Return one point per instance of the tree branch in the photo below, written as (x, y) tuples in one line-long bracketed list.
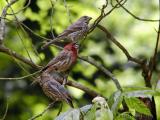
[(153, 60), (17, 56), (103, 15), (118, 44), (44, 111), (81, 87), (103, 69)]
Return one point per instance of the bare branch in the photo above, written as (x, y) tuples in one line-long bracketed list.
[(103, 69), (109, 35), (102, 15)]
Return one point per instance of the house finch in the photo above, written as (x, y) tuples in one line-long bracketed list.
[(74, 32), (53, 89), (63, 62)]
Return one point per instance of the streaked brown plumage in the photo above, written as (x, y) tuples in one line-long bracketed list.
[(65, 59), (74, 32), (53, 89)]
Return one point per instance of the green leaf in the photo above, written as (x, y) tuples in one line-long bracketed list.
[(74, 114), (116, 101), (91, 114), (134, 88), (125, 116), (138, 105), (111, 100), (142, 93), (104, 114)]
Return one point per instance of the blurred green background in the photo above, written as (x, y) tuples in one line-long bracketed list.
[(138, 37)]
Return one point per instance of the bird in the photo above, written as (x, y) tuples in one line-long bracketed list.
[(74, 32), (63, 62), (53, 89)]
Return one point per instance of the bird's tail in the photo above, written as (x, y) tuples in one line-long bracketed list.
[(51, 42), (66, 95)]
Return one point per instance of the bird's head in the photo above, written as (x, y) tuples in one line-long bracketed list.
[(71, 47), (85, 18)]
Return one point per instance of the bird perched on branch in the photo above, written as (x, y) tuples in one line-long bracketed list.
[(74, 32), (64, 61), (53, 89)]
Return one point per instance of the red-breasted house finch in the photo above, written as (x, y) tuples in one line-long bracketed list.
[(64, 61), (54, 89), (74, 32)]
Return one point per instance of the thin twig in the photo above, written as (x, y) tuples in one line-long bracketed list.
[(103, 69), (23, 77), (68, 12), (51, 19), (111, 2), (19, 34), (22, 67), (102, 15), (2, 21), (44, 111), (134, 16), (5, 114), (34, 33), (26, 27), (26, 6)]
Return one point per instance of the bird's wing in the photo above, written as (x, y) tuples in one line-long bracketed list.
[(58, 92), (57, 60), (66, 95), (53, 89), (74, 27)]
